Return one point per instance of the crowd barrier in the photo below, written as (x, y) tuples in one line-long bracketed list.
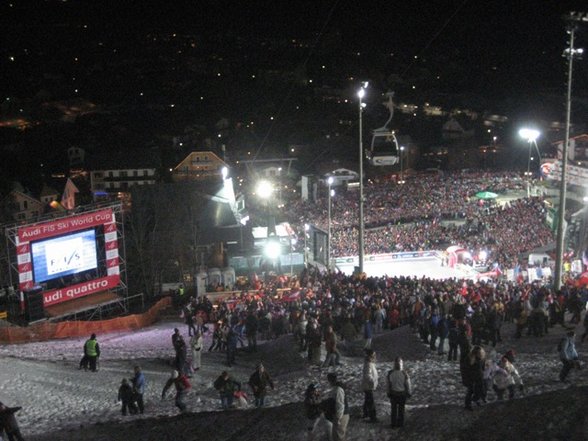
[(70, 329)]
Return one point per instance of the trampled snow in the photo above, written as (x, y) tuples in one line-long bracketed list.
[(44, 377)]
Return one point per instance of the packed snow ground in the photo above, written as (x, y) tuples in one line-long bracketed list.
[(426, 266), (44, 377)]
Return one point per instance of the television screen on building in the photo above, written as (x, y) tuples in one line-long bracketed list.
[(64, 255)]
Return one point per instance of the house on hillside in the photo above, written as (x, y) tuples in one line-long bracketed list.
[(199, 166), (23, 206), (113, 177)]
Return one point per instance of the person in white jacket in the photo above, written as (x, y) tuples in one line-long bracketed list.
[(399, 389), (506, 377), (340, 417), (369, 384), (196, 346)]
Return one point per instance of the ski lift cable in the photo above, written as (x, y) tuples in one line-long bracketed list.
[(433, 38), (289, 93)]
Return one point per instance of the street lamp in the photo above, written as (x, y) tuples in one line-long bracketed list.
[(360, 95), (401, 165), (264, 189), (330, 182), (530, 135), (570, 53)]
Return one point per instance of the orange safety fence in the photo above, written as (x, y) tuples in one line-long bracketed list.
[(68, 329)]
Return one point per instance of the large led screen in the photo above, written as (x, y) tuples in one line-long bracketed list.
[(65, 255)]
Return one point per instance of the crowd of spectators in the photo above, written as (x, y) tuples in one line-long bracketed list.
[(431, 212)]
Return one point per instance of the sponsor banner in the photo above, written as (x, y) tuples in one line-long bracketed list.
[(574, 175), (111, 254), (111, 245), (26, 279), (110, 237), (65, 225), (22, 259), (114, 271), (26, 267), (22, 249), (56, 296), (387, 257), (109, 228)]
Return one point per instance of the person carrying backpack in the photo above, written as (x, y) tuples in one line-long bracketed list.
[(567, 354), (182, 385)]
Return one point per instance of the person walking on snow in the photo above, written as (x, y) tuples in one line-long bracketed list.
[(568, 355), (9, 424), (125, 394), (259, 381), (341, 414), (138, 382), (196, 343), (399, 390), (369, 384), (92, 352), (182, 386)]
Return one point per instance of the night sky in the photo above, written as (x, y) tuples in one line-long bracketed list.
[(202, 61), (520, 42)]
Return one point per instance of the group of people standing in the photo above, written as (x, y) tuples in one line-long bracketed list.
[(331, 415)]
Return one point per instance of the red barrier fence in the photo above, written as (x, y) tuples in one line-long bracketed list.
[(68, 329)]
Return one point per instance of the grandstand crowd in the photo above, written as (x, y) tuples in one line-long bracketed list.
[(431, 212)]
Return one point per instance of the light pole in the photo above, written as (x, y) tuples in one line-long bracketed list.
[(330, 182), (292, 243), (305, 255), (530, 135), (360, 95), (401, 165), (569, 53)]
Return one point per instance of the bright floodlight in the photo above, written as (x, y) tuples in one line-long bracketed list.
[(530, 135), (225, 172), (330, 180), (272, 249), (306, 227), (264, 189), (332, 193), (361, 93)]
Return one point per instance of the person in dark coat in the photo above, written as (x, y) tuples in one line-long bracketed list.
[(259, 381), (127, 397), (473, 376), (226, 387), (251, 325), (9, 424), (182, 386)]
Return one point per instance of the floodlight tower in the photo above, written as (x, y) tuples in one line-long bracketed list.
[(570, 53)]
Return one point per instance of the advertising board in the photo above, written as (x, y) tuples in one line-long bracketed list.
[(70, 257)]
